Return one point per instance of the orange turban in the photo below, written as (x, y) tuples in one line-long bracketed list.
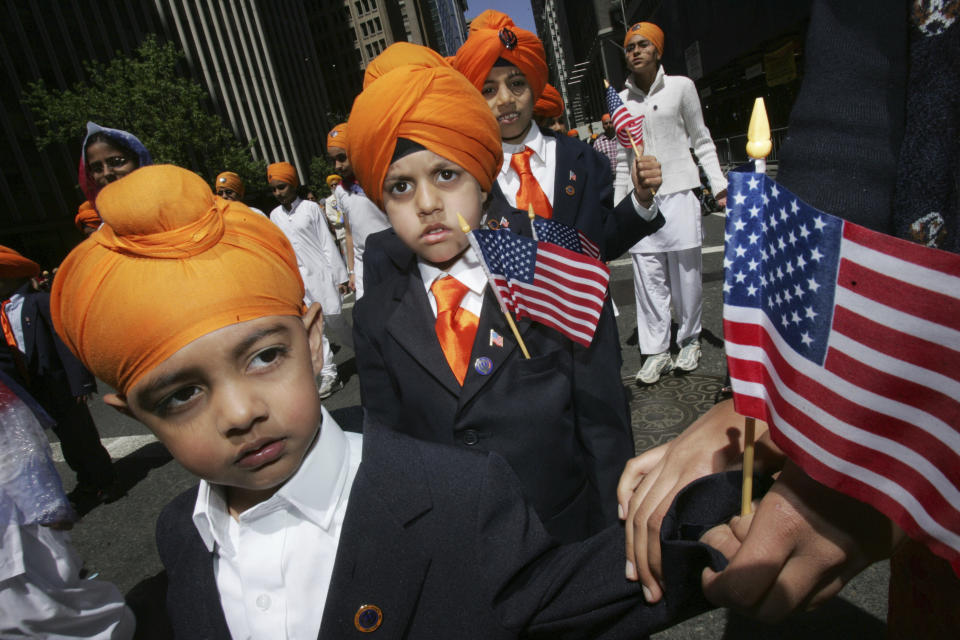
[(14, 265), (333, 178), (493, 35), (550, 104), (605, 118), (87, 216), (284, 172), (229, 180), (171, 264), (432, 105), (338, 135), (573, 132), (648, 30), (398, 55)]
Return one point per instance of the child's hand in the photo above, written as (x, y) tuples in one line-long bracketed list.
[(800, 546), (646, 177)]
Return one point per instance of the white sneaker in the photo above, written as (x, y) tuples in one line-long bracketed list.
[(654, 367), (689, 357), (329, 385)]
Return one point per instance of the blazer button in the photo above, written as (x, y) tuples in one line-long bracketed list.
[(470, 437)]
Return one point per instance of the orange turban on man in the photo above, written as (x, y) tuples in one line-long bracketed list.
[(493, 35), (229, 180), (648, 30), (118, 299), (429, 104), (87, 216), (14, 265), (338, 136), (284, 172), (550, 104), (399, 54)]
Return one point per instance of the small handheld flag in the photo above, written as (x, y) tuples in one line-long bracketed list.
[(629, 128)]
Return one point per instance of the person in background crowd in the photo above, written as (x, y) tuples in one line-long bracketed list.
[(35, 357), (360, 216), (229, 186), (331, 208), (607, 143), (548, 111), (324, 274), (573, 133), (87, 218), (108, 155), (668, 264)]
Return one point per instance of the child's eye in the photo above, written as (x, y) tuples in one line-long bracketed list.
[(446, 175), (486, 92), (177, 400), (399, 188), (268, 357)]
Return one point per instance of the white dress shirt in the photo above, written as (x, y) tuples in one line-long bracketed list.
[(14, 315), (273, 564), (318, 258), (466, 269), (543, 164)]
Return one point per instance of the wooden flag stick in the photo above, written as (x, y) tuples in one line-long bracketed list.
[(513, 327), (746, 495)]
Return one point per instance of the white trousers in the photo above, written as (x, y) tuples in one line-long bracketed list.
[(662, 280)]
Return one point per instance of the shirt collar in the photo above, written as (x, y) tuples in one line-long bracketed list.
[(655, 86), (293, 205), (534, 139), (467, 269), (314, 490)]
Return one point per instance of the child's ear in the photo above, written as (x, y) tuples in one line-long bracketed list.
[(313, 323), (118, 402), (483, 197)]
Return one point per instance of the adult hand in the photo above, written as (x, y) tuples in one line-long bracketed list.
[(353, 282), (721, 199), (344, 287), (803, 542), (651, 481), (646, 176)]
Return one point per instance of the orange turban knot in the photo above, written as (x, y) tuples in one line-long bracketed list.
[(229, 180), (170, 265), (550, 104), (87, 216), (14, 265), (400, 54), (431, 105), (648, 30), (338, 136), (493, 35), (284, 172)]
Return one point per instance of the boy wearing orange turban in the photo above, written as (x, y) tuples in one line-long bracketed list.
[(321, 267), (558, 175), (548, 111), (361, 217), (426, 157), (211, 352), (229, 186), (35, 357)]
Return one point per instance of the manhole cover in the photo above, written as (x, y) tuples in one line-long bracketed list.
[(659, 412)]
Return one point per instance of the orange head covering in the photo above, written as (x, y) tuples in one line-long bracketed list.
[(648, 30), (171, 264), (432, 105), (284, 172), (493, 35), (87, 216), (229, 180), (550, 103), (605, 118), (333, 178), (398, 55), (14, 265), (573, 132), (338, 135)]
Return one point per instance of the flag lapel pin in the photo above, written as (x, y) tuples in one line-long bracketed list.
[(495, 339), (573, 176)]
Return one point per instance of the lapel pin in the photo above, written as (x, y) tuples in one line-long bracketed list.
[(495, 339), (483, 365), (493, 224), (570, 190), (504, 222), (369, 617), (573, 176)]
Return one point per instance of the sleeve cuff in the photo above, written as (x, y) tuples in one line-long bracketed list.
[(643, 212)]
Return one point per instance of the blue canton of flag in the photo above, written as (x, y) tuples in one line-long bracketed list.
[(785, 261), (545, 282), (564, 235)]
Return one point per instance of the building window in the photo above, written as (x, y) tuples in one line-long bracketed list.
[(369, 51), (366, 5), (373, 3), (363, 27), (359, 8), (379, 26)]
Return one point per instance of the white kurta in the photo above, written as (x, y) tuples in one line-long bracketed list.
[(318, 258), (364, 218)]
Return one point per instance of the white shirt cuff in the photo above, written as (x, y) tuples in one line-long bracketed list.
[(642, 211)]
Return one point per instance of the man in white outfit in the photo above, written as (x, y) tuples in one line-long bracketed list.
[(667, 264), (321, 267)]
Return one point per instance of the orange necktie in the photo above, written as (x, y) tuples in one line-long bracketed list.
[(530, 191), (10, 338), (456, 327)]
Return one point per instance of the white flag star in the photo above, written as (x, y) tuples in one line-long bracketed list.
[(739, 198)]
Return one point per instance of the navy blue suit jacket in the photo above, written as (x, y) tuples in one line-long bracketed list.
[(583, 198), (561, 418), (442, 541)]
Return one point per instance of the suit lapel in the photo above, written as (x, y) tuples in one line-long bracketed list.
[(378, 561), (28, 324), (568, 189), (411, 325)]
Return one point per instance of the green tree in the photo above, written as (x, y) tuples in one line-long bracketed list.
[(320, 168), (146, 96)]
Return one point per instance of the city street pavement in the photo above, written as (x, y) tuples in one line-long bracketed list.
[(117, 541)]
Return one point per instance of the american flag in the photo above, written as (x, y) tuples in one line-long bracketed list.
[(623, 121), (564, 235), (847, 342), (551, 285)]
